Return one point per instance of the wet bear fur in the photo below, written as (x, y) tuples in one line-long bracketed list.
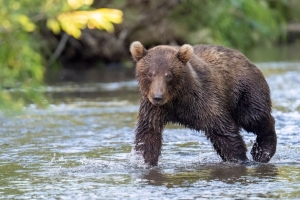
[(206, 88)]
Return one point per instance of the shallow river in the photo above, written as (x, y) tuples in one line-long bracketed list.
[(81, 148)]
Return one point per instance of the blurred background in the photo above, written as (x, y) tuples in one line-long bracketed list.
[(54, 41)]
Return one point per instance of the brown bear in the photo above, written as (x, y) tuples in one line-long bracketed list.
[(205, 88)]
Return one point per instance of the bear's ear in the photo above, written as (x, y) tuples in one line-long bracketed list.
[(185, 53), (137, 50)]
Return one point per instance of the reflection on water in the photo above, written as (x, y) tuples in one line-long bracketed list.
[(224, 172), (81, 147)]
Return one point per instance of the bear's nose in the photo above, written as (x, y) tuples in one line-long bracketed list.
[(158, 97)]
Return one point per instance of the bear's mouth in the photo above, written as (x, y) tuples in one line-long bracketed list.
[(157, 102)]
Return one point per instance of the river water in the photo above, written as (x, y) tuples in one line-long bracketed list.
[(81, 148)]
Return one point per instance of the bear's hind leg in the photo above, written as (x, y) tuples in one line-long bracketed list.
[(265, 145), (260, 122), (253, 113)]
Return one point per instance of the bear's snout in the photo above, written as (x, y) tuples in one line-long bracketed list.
[(158, 94), (157, 99)]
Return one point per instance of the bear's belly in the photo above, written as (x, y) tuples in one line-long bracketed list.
[(189, 120)]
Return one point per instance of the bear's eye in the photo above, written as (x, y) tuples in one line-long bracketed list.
[(150, 75), (168, 77)]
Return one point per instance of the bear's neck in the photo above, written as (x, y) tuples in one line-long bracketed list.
[(197, 96), (198, 80)]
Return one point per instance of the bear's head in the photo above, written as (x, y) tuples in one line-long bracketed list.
[(160, 70)]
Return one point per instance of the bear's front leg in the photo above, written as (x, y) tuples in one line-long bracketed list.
[(148, 134), (228, 143), (148, 142)]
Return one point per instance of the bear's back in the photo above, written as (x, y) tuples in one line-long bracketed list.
[(219, 55), (229, 62)]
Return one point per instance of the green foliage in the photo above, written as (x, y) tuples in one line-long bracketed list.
[(21, 69), (235, 23)]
